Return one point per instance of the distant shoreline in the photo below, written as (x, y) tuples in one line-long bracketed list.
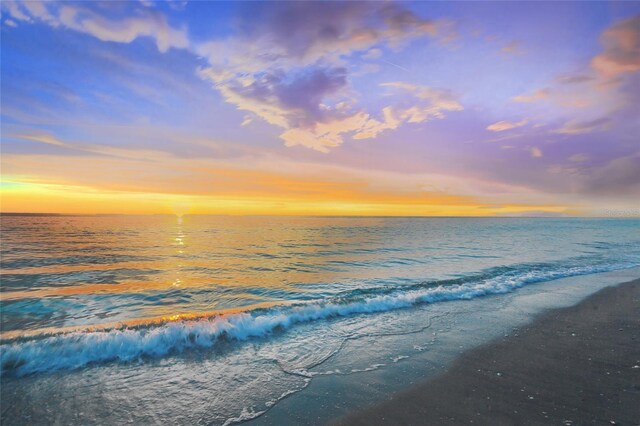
[(578, 364)]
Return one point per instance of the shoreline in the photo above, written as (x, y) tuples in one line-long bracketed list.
[(574, 365)]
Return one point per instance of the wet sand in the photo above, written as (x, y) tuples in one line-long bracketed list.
[(571, 366)]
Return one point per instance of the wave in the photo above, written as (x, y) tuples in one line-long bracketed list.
[(71, 350)]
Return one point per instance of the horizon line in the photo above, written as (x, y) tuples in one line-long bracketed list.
[(51, 214)]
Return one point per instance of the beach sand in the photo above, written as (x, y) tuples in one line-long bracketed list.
[(571, 366)]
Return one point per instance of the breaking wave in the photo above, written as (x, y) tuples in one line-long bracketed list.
[(75, 349)]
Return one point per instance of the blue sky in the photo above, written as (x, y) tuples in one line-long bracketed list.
[(525, 106)]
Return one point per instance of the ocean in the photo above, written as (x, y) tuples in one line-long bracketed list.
[(219, 319)]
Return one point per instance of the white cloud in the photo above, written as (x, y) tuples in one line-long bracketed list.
[(324, 136), (78, 17), (431, 103), (428, 103), (14, 9)]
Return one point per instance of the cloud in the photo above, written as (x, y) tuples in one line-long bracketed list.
[(247, 120), (513, 48), (367, 68), (256, 182), (535, 152), (302, 33), (374, 53), (289, 69), (534, 97), (620, 176), (42, 138), (325, 135), (432, 102), (579, 158), (14, 9), (622, 49), (574, 127), (605, 87), (307, 31), (501, 126), (79, 17), (574, 79), (286, 99), (423, 104)]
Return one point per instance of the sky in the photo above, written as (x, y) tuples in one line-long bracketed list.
[(322, 108)]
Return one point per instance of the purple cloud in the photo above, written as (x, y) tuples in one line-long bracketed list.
[(288, 68), (308, 31)]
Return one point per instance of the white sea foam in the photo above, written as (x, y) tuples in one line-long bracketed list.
[(77, 349), (246, 415), (399, 358)]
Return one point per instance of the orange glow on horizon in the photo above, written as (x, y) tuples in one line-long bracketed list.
[(16, 197)]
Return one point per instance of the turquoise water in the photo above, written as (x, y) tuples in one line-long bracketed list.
[(253, 304)]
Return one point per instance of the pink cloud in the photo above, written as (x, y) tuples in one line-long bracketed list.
[(622, 49), (501, 126), (574, 127), (534, 97)]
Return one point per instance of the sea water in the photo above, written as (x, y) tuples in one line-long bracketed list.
[(218, 320)]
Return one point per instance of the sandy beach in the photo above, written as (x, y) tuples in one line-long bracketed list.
[(577, 365)]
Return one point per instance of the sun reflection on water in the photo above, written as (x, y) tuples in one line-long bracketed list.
[(180, 240)]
